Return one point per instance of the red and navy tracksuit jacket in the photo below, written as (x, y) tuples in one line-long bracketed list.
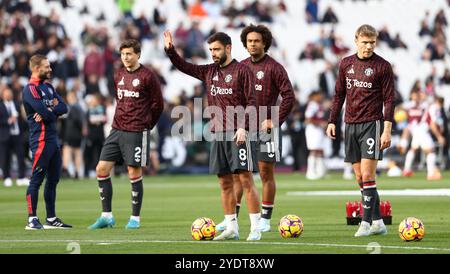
[(38, 97)]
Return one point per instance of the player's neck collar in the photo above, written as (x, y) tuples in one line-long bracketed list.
[(35, 80), (134, 70), (232, 61), (365, 59), (260, 59)]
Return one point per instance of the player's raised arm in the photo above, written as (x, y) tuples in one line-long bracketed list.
[(168, 41), (197, 71)]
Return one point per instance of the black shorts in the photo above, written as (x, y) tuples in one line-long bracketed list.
[(269, 145), (363, 141), (75, 143), (226, 157), (131, 148)]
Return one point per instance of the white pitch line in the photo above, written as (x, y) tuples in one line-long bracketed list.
[(222, 242), (393, 192)]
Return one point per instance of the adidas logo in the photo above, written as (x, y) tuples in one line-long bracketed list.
[(351, 71), (216, 78), (121, 83)]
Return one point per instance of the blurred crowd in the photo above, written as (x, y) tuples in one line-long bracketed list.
[(88, 88)]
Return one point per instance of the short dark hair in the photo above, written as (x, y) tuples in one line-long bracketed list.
[(131, 43), (222, 37), (261, 29)]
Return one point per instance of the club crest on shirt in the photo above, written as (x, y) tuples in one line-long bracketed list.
[(368, 71), (135, 82), (260, 74), (228, 78)]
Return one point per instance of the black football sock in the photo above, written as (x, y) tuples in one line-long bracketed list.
[(137, 192), (238, 207), (369, 198), (106, 192), (266, 211)]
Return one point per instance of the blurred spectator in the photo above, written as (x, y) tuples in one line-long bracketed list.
[(197, 10), (445, 80), (55, 26), (384, 36), (75, 130), (296, 127), (18, 31), (424, 29), (180, 35), (231, 12), (68, 66), (125, 7), (337, 44), (330, 16), (327, 79), (312, 52), (324, 39), (160, 13), (145, 30), (20, 58), (398, 43), (262, 12), (111, 57), (11, 138), (94, 65), (440, 18), (6, 70), (96, 119), (312, 7), (430, 89), (195, 42)]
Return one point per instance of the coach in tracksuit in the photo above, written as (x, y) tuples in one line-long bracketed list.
[(43, 107)]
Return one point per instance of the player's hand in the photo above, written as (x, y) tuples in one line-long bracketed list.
[(37, 118), (385, 140), (168, 41), (240, 136), (331, 131), (55, 101), (266, 125)]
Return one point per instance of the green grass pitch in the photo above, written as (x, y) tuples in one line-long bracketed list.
[(172, 203)]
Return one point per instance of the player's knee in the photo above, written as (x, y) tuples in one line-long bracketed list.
[(266, 176), (368, 177), (101, 170), (134, 172), (226, 185)]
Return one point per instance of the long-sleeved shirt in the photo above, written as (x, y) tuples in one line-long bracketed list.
[(229, 86), (367, 85), (38, 97), (271, 80), (139, 99)]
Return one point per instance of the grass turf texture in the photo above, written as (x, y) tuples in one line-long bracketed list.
[(172, 203)]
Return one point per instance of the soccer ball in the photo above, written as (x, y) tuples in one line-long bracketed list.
[(411, 229), (290, 226), (203, 228)]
